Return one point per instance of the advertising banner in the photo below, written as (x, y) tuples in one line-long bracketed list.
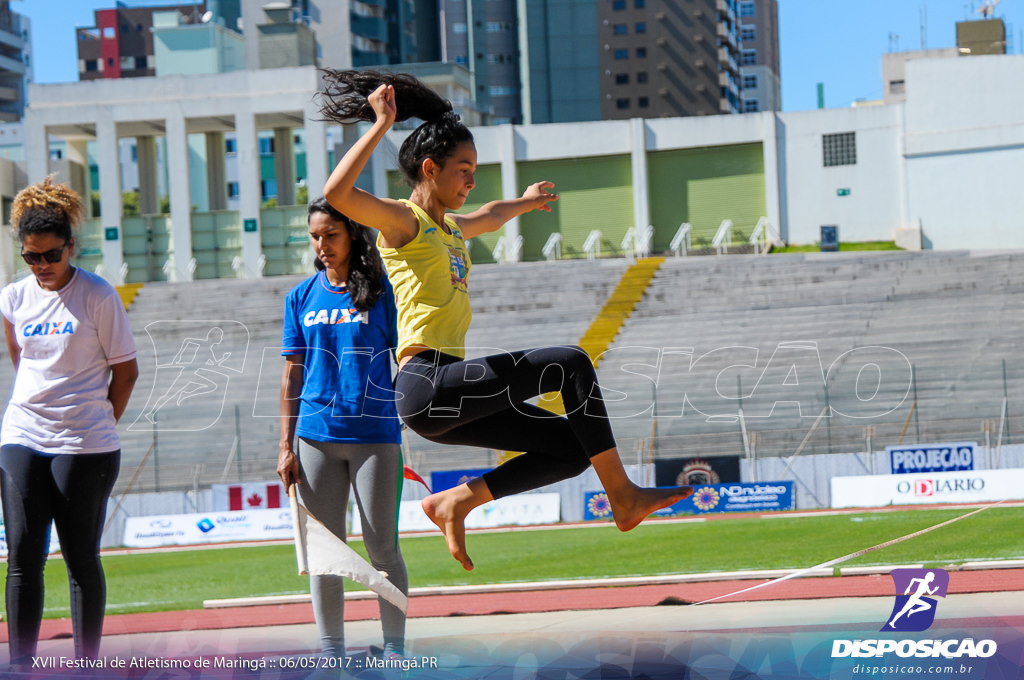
[(870, 491), (447, 479), (905, 460), (208, 527), (520, 510), (739, 497)]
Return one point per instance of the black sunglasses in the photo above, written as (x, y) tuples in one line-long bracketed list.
[(52, 256)]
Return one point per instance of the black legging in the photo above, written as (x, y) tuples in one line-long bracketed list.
[(481, 402), (71, 490)]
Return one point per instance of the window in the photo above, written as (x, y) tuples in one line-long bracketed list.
[(141, 63), (641, 27), (91, 65), (110, 62), (622, 103), (230, 145), (109, 32), (839, 149), (639, 4), (622, 54), (268, 188), (748, 9), (643, 102), (748, 33), (622, 79), (750, 106), (897, 86), (748, 58), (641, 77), (620, 29), (233, 190), (459, 27), (502, 91), (641, 53), (266, 146), (749, 82), (618, 5)]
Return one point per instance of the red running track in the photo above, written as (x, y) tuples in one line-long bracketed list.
[(996, 580)]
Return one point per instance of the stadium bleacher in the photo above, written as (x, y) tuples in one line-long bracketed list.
[(952, 318)]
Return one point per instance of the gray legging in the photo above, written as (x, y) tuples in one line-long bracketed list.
[(375, 474)]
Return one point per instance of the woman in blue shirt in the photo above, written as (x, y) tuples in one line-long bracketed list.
[(339, 333)]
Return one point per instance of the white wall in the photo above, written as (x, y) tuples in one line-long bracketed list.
[(873, 210), (965, 151)]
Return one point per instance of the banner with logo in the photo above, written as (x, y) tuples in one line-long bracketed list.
[(249, 496), (694, 471), (871, 491), (520, 510), (209, 527), (448, 479), (740, 497), (953, 457)]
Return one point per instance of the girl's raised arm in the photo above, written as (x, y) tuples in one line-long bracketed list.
[(395, 221)]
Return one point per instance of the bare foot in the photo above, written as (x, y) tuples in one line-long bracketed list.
[(446, 512), (629, 509)]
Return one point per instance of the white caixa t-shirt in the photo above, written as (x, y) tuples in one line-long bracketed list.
[(69, 339)]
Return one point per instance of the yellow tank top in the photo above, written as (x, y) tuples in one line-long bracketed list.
[(430, 278)]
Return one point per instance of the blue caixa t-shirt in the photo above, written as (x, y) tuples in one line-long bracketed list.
[(347, 391)]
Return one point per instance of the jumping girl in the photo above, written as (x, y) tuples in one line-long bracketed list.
[(440, 394)]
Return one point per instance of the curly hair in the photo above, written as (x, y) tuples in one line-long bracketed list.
[(365, 268), (344, 100), (46, 208)]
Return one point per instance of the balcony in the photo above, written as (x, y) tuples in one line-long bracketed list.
[(371, 28)]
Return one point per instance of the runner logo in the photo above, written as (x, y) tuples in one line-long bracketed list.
[(914, 610)]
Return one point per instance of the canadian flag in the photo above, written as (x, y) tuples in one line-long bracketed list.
[(255, 496)]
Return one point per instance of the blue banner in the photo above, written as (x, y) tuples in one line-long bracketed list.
[(932, 457), (447, 479), (739, 497)]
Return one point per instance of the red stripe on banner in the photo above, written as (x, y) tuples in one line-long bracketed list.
[(273, 496), (234, 498)]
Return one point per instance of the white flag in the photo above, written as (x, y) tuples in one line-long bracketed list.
[(320, 553)]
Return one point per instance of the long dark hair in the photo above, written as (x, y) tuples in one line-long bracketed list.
[(365, 269), (344, 100)]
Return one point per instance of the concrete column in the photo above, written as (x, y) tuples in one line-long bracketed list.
[(638, 166), (509, 180), (180, 193), (37, 148), (772, 168), (249, 197), (284, 165), (216, 182), (149, 190), (316, 152), (78, 160), (111, 207)]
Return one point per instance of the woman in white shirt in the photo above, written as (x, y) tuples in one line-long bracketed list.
[(74, 359)]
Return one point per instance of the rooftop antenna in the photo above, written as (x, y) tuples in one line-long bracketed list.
[(988, 8)]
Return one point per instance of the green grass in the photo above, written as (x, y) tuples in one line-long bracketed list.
[(843, 247), (182, 579)]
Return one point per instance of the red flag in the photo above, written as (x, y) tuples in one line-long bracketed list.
[(409, 473)]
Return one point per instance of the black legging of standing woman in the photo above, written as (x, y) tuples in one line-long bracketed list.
[(71, 490), (481, 402)]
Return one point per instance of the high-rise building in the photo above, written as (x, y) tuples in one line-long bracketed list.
[(120, 45), (664, 58), (483, 36), (15, 63), (559, 62), (759, 55)]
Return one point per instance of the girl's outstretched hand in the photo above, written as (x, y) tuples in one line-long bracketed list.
[(382, 100), (539, 193)]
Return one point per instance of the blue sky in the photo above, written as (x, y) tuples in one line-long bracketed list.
[(836, 42)]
